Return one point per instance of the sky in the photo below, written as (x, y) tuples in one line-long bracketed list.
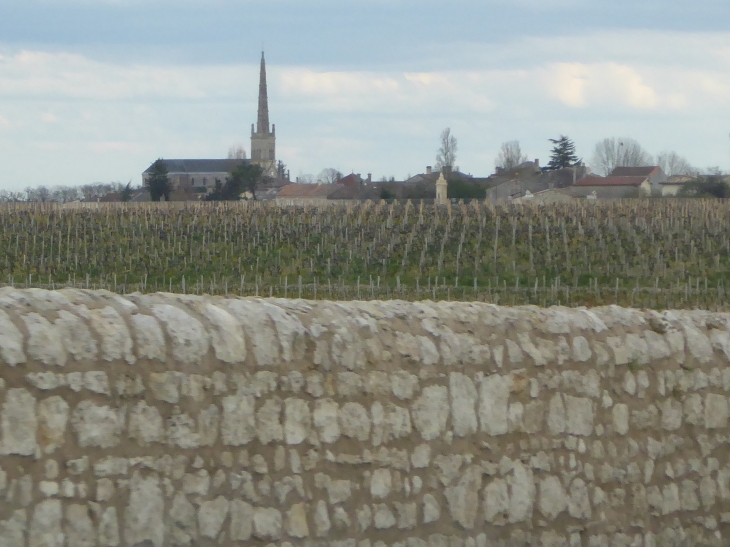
[(96, 90)]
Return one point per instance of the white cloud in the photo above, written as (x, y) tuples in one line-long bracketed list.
[(117, 117)]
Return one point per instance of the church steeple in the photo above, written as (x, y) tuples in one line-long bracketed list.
[(263, 119)]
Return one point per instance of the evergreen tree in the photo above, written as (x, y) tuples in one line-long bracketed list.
[(158, 183), (126, 194), (245, 178), (563, 153)]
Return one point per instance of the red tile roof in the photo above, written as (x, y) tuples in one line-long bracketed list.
[(307, 190), (610, 181)]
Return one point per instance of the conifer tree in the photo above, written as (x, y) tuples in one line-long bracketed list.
[(563, 153), (158, 183)]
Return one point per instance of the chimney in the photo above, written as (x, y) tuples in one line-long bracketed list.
[(428, 169), (370, 178), (537, 163)]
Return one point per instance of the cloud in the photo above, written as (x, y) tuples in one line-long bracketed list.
[(4, 122), (49, 118)]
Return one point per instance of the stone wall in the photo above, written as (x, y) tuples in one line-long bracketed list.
[(167, 420)]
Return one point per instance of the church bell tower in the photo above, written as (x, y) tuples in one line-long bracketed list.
[(263, 141)]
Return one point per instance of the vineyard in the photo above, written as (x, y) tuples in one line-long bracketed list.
[(660, 254)]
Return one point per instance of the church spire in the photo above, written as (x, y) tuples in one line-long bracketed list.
[(263, 120)]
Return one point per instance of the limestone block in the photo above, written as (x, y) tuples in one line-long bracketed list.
[(431, 509), (19, 423), (145, 424), (354, 421), (52, 422), (238, 426), (463, 401), (716, 411), (430, 412), (241, 520), (181, 430), (268, 420), (553, 499), (11, 345), (13, 530), (226, 335), (579, 415), (645, 418), (258, 327), (463, 498), (522, 494), (196, 483), (144, 516), (514, 352), (693, 409), (496, 502), (211, 516), (688, 499), (671, 414), (325, 420), (581, 349), (322, 522), (421, 456), (98, 426), (670, 499), (383, 517), (556, 418), (45, 525), (97, 381), (116, 342), (338, 490), (78, 526), (364, 517), (111, 465), (404, 384), (579, 505), (297, 420), (493, 399), (291, 333), (190, 340), (349, 384), (76, 336), (108, 529), (44, 341), (407, 515), (295, 523), (381, 483), (698, 344), (149, 337), (129, 385)]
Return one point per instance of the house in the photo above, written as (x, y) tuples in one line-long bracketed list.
[(306, 194), (612, 187), (530, 177), (673, 185), (653, 173)]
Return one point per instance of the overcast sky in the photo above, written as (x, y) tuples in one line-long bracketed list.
[(95, 90)]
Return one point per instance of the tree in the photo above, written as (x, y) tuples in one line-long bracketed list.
[(329, 175), (510, 155), (126, 194), (236, 152), (563, 153), (245, 178), (446, 156), (711, 186), (673, 164), (281, 170), (619, 152), (157, 182)]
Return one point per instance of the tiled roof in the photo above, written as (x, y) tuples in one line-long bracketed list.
[(307, 190), (610, 181), (200, 166), (633, 171)]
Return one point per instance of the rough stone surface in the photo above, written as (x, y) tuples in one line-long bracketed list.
[(176, 420)]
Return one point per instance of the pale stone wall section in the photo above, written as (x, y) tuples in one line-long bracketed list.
[(169, 420)]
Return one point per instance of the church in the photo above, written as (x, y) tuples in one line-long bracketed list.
[(201, 175)]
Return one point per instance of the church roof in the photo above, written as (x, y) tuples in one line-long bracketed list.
[(190, 166)]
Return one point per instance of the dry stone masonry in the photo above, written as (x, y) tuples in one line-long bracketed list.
[(168, 420)]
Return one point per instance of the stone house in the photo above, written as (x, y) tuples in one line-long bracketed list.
[(654, 174), (612, 187), (306, 194)]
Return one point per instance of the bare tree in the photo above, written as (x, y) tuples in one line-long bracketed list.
[(305, 178), (510, 155), (236, 152), (446, 156), (619, 152), (673, 164), (329, 175)]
